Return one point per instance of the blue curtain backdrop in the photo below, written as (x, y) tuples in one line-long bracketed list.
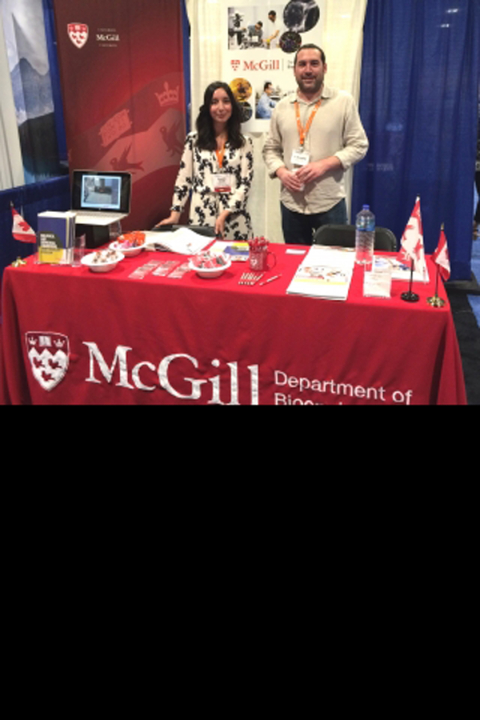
[(418, 103), (49, 18)]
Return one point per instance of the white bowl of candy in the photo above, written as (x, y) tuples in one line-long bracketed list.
[(209, 265), (102, 260), (129, 244)]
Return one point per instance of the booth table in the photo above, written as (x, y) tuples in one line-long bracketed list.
[(71, 336)]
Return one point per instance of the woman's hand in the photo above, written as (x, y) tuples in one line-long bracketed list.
[(173, 219), (220, 223)]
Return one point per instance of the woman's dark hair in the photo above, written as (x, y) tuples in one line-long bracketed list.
[(205, 129)]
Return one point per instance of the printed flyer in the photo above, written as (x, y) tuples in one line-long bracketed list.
[(260, 41)]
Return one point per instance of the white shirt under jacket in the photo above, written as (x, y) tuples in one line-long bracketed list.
[(336, 130)]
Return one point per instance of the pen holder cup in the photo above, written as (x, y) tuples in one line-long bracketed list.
[(261, 259)]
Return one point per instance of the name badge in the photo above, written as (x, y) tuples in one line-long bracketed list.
[(300, 158), (222, 183)]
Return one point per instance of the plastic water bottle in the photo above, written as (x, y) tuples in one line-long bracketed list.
[(364, 236)]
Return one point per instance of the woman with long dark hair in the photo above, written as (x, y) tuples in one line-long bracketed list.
[(216, 169)]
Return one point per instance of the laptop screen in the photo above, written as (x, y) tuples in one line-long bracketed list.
[(94, 190)]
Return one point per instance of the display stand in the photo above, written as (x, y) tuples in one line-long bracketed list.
[(410, 296), (97, 235)]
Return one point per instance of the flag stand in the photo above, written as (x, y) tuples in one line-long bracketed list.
[(410, 296), (436, 301), (19, 262)]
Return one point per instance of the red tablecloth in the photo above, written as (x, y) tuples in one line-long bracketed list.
[(71, 336)]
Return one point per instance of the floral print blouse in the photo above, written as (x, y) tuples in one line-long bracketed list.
[(196, 178)]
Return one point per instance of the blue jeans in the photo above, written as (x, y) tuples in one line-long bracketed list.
[(298, 229)]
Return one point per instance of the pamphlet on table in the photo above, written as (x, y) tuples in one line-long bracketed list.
[(325, 272), (183, 241), (237, 251), (377, 282), (403, 272), (55, 237)]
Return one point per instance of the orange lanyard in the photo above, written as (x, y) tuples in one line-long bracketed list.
[(220, 155), (303, 131)]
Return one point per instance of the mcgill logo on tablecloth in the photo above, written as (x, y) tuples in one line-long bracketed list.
[(49, 357), (192, 379)]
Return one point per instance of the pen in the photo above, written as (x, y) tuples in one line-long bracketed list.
[(275, 277)]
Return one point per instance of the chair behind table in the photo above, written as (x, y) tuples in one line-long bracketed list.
[(344, 236)]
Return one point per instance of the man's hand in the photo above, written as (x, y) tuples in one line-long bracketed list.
[(289, 179), (316, 170)]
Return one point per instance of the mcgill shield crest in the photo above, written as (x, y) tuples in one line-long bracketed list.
[(78, 34), (49, 357)]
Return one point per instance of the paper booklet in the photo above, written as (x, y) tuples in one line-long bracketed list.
[(325, 272), (237, 251), (183, 241), (55, 237), (403, 272)]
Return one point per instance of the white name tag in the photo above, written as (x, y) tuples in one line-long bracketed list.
[(222, 182), (300, 158)]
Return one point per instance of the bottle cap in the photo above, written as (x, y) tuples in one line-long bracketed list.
[(366, 207)]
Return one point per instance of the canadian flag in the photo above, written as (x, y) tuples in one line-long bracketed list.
[(411, 243), (441, 256), (21, 230)]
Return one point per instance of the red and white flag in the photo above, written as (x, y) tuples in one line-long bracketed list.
[(21, 230), (411, 244), (441, 256)]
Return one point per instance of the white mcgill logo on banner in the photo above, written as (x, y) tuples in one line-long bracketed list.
[(78, 34), (49, 357)]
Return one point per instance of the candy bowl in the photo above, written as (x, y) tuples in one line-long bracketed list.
[(209, 265), (126, 250), (102, 260), (129, 244)]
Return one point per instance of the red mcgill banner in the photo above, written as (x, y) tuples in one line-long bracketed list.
[(121, 66)]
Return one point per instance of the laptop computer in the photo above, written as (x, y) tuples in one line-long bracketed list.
[(100, 198)]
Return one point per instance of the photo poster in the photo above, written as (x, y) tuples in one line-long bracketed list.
[(260, 42), (33, 96), (121, 67)]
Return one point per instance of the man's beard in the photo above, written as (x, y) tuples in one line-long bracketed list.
[(310, 89)]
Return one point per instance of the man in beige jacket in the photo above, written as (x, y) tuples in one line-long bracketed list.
[(315, 136)]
